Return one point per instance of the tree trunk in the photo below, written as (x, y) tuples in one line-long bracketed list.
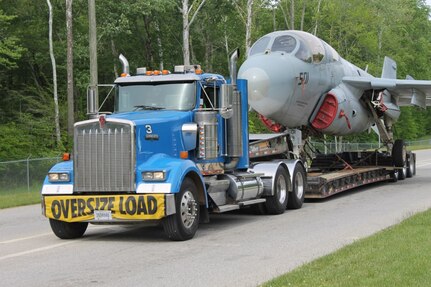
[(115, 56), (186, 27), (147, 40), (54, 77), (248, 26), (208, 52), (70, 100), (292, 14), (226, 46), (186, 45), (285, 16), (159, 44), (303, 15), (317, 17)]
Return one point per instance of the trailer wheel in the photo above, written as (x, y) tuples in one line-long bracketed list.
[(184, 223), (299, 185), (277, 203), (68, 230), (394, 176), (399, 153), (399, 156), (411, 165), (402, 173)]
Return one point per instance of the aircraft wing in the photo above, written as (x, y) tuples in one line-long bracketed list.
[(406, 92)]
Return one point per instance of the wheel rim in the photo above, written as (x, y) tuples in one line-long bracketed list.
[(188, 209), (299, 185), (282, 190)]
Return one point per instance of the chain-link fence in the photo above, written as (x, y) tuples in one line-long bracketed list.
[(30, 172), (25, 173)]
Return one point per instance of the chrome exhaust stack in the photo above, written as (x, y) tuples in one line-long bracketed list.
[(125, 64), (234, 134)]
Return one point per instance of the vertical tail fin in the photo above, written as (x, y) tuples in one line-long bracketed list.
[(389, 69)]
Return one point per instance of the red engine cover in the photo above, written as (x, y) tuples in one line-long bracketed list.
[(327, 113), (270, 124)]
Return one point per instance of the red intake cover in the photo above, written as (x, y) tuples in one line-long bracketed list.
[(273, 126), (327, 113)]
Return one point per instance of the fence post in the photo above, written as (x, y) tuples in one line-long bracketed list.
[(28, 174)]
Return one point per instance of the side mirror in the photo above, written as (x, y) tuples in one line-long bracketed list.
[(226, 94), (92, 102)]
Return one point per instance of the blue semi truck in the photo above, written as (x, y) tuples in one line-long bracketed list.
[(177, 148)]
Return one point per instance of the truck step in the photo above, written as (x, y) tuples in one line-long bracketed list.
[(252, 201), (230, 207), (226, 208)]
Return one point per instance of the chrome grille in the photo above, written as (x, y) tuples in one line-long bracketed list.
[(104, 158)]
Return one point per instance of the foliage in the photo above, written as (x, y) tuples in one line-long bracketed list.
[(149, 33)]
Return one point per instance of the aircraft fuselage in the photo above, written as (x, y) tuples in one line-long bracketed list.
[(295, 79)]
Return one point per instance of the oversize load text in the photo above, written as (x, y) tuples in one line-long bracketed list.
[(81, 208)]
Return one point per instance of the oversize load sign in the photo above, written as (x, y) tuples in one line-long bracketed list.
[(81, 208)]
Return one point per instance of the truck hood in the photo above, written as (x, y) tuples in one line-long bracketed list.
[(157, 131)]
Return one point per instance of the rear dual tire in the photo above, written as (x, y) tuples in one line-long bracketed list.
[(277, 203), (299, 186)]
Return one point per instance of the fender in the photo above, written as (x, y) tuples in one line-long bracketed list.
[(176, 170), (59, 187), (269, 169)]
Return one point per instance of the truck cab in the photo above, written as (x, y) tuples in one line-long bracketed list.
[(174, 149)]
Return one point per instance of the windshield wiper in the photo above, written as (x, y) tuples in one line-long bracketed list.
[(146, 107)]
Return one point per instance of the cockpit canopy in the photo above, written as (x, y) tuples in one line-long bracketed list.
[(302, 45)]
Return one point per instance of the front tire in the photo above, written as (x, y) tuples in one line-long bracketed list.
[(277, 203), (299, 185), (184, 223), (68, 230)]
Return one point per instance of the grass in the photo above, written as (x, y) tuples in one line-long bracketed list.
[(397, 256), (19, 196)]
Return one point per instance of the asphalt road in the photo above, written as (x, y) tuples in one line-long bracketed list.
[(237, 249)]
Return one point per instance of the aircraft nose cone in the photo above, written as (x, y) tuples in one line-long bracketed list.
[(258, 83), (267, 83)]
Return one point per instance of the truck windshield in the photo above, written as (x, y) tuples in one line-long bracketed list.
[(155, 96)]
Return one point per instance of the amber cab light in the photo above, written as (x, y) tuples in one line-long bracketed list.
[(66, 156), (184, 154)]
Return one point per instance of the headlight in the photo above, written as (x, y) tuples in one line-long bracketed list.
[(154, 175), (58, 177)]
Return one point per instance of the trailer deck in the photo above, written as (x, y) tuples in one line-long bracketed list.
[(322, 185), (328, 174)]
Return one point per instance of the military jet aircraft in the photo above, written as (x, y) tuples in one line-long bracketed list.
[(298, 80)]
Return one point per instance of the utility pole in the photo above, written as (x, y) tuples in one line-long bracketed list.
[(93, 50), (70, 102)]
